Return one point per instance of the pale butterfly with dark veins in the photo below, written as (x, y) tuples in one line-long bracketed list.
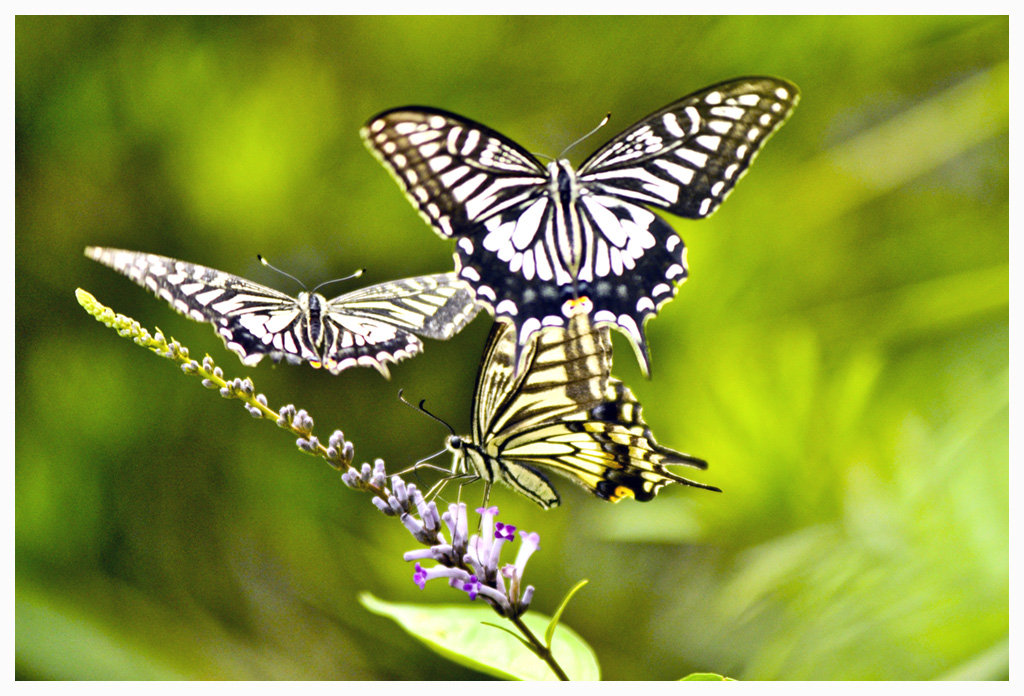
[(370, 327), (531, 239)]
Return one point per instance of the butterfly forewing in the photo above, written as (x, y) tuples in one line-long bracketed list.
[(530, 239), (371, 327), (563, 375), (455, 171), (687, 157), (563, 413)]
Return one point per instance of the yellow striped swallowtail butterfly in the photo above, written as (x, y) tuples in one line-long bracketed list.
[(562, 412)]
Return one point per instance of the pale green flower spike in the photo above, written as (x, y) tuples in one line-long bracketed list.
[(338, 452)]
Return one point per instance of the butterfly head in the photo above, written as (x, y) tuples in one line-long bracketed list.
[(471, 462), (465, 456), (455, 444)]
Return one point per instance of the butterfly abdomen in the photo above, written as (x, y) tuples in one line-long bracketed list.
[(314, 306)]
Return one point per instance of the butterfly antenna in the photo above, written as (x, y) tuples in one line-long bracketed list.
[(289, 275), (275, 268), (424, 410), (599, 126), (358, 273)]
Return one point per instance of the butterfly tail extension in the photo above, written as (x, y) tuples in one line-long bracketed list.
[(637, 339), (642, 485), (643, 355), (381, 365), (641, 462)]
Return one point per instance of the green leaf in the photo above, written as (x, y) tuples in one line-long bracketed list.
[(558, 614), (706, 676), (458, 633)]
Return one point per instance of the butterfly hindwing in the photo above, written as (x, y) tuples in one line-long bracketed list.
[(530, 238), (562, 412), (381, 323), (433, 306), (371, 327)]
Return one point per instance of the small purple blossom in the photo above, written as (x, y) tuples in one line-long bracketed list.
[(505, 531), (472, 588), (454, 575), (469, 562), (420, 576)]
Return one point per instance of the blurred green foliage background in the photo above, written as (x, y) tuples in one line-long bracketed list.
[(839, 354)]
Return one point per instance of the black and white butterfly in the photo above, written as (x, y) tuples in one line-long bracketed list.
[(564, 412), (370, 327), (530, 237)]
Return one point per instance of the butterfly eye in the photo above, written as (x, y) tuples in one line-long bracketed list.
[(455, 443)]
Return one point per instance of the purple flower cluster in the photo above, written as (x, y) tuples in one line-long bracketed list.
[(470, 563)]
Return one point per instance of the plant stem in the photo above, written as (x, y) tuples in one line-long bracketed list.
[(542, 651)]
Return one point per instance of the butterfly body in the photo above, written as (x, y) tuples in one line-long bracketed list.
[(562, 412), (530, 237), (371, 327)]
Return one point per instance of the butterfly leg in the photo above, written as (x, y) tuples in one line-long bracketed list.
[(436, 489)]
